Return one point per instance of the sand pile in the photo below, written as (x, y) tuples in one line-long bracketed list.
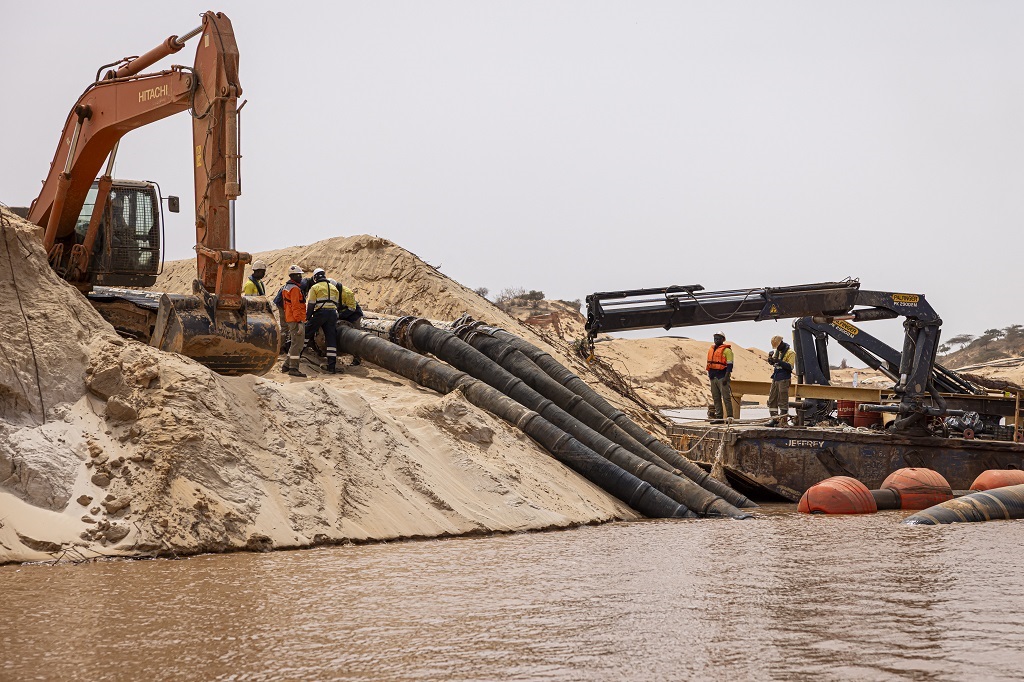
[(145, 452), (390, 280), (670, 372), (386, 278)]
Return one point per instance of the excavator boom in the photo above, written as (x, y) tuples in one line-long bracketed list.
[(216, 324)]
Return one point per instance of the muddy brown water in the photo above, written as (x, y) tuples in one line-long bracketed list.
[(785, 596)]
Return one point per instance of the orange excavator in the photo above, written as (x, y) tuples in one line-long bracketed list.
[(104, 231)]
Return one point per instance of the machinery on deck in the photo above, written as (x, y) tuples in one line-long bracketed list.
[(105, 231), (681, 306), (810, 343)]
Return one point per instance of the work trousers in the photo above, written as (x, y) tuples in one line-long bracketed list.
[(778, 397), (721, 391), (328, 319), (295, 332)]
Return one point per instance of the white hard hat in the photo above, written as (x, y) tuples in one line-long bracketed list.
[(318, 271), (259, 265), (720, 333), (295, 270)]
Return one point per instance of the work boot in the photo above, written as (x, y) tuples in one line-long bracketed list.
[(327, 368), (356, 362), (285, 368), (295, 372)]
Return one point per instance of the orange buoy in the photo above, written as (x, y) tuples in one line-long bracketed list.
[(918, 488), (838, 495), (998, 478)]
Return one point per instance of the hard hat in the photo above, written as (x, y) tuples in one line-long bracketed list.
[(720, 333), (259, 265), (295, 270), (776, 340), (319, 274)]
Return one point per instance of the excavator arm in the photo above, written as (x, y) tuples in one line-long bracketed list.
[(216, 325)]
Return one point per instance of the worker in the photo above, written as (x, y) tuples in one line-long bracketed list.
[(254, 284), (720, 373), (322, 305), (350, 314), (292, 304), (781, 359)]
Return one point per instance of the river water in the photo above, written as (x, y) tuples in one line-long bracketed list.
[(783, 596)]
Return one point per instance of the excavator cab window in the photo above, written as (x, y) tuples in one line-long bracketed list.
[(133, 225), (82, 224)]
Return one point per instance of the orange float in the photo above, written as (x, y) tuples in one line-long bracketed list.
[(838, 495), (998, 478), (918, 488)]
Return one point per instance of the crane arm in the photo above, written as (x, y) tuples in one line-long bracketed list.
[(685, 306)]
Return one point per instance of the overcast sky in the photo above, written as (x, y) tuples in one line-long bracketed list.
[(575, 147)]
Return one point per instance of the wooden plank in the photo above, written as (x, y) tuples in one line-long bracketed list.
[(860, 394)]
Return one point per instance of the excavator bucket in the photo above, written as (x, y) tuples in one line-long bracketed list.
[(231, 342)]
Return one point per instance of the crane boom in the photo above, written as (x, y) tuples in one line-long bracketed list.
[(691, 305)]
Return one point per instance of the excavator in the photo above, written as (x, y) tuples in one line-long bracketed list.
[(826, 302), (101, 231)]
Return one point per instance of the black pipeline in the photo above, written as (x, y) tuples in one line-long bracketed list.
[(989, 505), (639, 495), (601, 433), (419, 334), (567, 378)]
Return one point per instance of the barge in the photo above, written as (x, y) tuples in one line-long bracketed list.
[(770, 463)]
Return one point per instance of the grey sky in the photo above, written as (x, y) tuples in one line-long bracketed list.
[(576, 147)]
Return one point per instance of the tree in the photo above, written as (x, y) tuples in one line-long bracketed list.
[(962, 340), (1014, 331), (508, 296), (994, 333), (481, 291), (945, 348)]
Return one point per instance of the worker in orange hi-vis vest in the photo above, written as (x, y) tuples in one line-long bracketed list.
[(720, 373), (293, 304)]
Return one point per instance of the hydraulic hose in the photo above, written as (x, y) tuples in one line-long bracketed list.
[(567, 378), (989, 505), (638, 494)]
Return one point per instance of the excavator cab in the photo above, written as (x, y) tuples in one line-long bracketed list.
[(128, 249)]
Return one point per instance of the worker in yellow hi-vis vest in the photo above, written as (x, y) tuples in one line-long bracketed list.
[(322, 303)]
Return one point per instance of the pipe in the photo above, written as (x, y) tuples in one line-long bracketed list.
[(567, 378), (434, 374), (990, 505), (600, 434), (419, 334), (887, 498), (521, 366)]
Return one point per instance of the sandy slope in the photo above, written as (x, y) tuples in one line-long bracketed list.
[(142, 451)]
